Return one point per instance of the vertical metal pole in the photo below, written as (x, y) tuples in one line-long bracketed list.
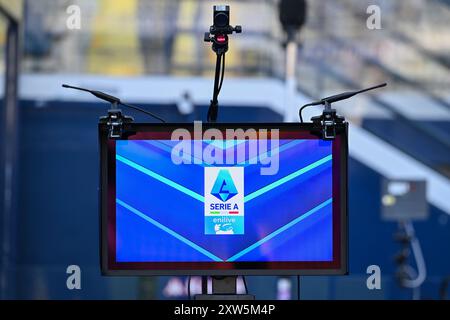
[(290, 82), (8, 162)]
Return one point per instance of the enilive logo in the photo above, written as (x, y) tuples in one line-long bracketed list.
[(224, 188), (224, 200)]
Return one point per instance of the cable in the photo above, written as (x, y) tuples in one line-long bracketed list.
[(411, 273), (302, 108), (245, 284), (219, 76), (142, 110), (189, 288), (222, 73), (418, 256)]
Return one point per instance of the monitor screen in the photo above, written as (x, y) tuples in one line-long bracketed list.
[(223, 199)]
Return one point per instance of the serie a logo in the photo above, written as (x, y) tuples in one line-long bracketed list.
[(224, 200)]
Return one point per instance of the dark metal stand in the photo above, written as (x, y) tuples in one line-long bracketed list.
[(327, 122), (115, 121), (224, 288)]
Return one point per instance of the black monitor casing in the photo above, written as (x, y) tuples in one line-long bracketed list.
[(138, 130)]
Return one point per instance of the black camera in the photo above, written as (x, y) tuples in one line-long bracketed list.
[(221, 21), (219, 31)]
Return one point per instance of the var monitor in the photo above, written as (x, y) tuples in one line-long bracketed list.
[(223, 199)]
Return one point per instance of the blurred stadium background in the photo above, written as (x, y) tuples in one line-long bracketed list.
[(151, 53)]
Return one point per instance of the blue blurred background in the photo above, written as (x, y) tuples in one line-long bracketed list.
[(151, 53)]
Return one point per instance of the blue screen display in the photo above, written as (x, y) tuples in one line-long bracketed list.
[(195, 211)]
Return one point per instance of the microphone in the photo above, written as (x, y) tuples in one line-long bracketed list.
[(338, 97), (292, 15), (113, 100), (98, 94), (346, 95)]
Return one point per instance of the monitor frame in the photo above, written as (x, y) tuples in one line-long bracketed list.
[(109, 267)]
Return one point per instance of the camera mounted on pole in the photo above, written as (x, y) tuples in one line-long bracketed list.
[(218, 35), (219, 31)]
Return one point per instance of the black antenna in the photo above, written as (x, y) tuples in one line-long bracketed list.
[(113, 100), (338, 97), (347, 95)]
